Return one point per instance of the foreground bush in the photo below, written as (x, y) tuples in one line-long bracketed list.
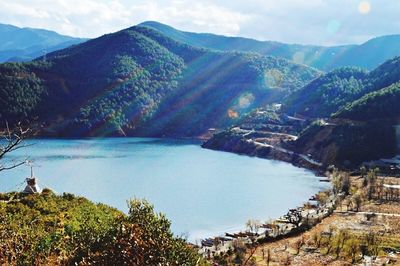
[(50, 229)]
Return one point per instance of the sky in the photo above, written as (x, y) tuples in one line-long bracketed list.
[(320, 22)]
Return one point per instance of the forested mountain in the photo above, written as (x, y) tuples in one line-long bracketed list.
[(333, 91), (328, 93), (378, 105), (138, 81), (363, 129), (23, 44), (367, 55), (315, 56)]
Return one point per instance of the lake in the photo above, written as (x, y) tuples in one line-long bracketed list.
[(203, 192)]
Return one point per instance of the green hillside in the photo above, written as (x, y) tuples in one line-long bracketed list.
[(333, 91), (378, 105), (47, 229), (363, 129), (327, 93), (138, 81)]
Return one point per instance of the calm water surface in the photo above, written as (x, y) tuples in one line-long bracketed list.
[(202, 192)]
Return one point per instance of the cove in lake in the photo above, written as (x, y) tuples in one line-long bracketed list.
[(203, 192)]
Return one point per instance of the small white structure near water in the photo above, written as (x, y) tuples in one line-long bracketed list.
[(31, 187)]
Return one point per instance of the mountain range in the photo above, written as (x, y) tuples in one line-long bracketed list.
[(139, 81), (24, 44), (367, 55), (153, 80)]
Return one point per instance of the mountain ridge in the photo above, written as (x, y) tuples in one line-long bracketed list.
[(24, 44), (139, 81), (326, 58)]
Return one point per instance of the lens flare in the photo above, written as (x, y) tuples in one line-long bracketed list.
[(245, 100), (298, 57), (364, 7), (273, 78), (233, 114)]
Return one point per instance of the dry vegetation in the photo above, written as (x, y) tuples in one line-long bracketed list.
[(363, 230)]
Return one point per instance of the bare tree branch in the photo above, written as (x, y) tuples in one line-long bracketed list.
[(3, 168), (12, 140)]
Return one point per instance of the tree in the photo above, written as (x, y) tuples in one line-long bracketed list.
[(363, 173), (298, 244), (12, 139), (317, 238), (268, 257), (345, 188), (371, 182), (373, 243), (341, 182), (353, 247), (340, 241), (253, 226), (239, 249), (322, 198), (357, 201), (142, 238)]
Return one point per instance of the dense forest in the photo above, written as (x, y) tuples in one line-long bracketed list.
[(21, 92), (138, 81), (327, 93), (378, 105), (334, 90)]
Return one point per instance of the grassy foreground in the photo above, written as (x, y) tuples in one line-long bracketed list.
[(47, 229)]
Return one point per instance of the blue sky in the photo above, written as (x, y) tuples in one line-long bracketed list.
[(326, 22)]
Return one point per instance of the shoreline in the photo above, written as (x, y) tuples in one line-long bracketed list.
[(297, 160), (275, 230), (239, 228), (207, 247)]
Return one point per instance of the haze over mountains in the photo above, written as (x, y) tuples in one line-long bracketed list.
[(367, 55), (23, 44)]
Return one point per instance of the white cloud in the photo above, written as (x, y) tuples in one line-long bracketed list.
[(293, 21)]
